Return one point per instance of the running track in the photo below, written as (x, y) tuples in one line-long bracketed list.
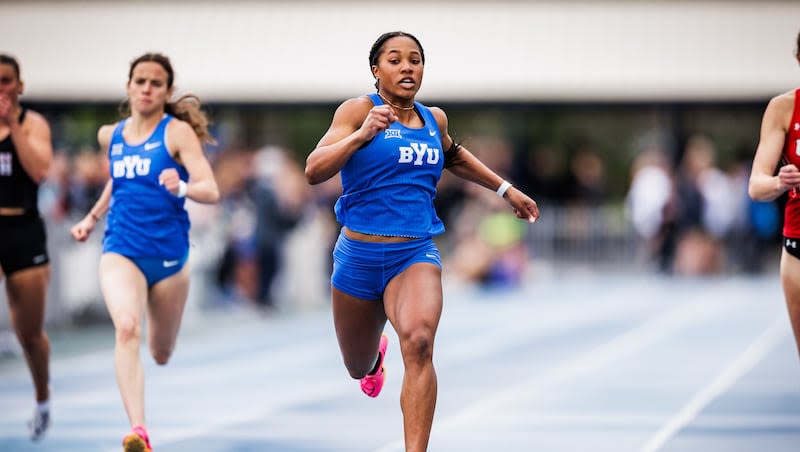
[(566, 364)]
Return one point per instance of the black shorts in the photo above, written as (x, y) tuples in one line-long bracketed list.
[(23, 243), (792, 246)]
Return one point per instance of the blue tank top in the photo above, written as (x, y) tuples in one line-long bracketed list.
[(144, 218), (388, 186)]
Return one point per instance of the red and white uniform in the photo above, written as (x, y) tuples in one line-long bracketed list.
[(791, 152)]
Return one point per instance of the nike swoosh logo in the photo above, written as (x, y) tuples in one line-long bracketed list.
[(432, 132), (168, 264), (151, 146)]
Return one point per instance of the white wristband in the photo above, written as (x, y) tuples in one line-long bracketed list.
[(181, 189), (503, 188)]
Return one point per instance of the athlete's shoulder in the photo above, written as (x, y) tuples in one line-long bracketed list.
[(360, 103), (437, 112), (177, 124), (35, 124), (781, 108), (783, 100), (440, 117), (354, 110), (105, 132)]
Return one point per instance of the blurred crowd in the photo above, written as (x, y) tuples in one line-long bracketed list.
[(695, 217), (270, 238)]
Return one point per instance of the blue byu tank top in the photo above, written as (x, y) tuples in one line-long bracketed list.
[(388, 186), (144, 219)]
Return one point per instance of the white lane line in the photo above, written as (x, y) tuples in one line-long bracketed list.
[(490, 340), (98, 392), (260, 410), (627, 343), (291, 396), (634, 340), (754, 353)]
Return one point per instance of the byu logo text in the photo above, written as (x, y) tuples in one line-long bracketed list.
[(417, 153), (131, 166)]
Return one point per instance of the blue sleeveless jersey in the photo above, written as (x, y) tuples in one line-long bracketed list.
[(388, 186), (144, 218)]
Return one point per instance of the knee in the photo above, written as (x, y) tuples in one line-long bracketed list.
[(358, 370), (161, 355), (128, 331), (31, 340), (417, 346)]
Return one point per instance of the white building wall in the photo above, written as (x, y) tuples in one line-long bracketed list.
[(287, 51)]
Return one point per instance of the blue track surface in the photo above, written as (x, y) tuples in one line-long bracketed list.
[(585, 363)]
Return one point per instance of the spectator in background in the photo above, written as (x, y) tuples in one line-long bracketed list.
[(280, 194), (26, 152), (779, 147), (237, 269), (487, 243), (54, 191), (758, 226), (390, 151), (74, 183), (651, 205), (585, 185), (541, 171), (264, 196), (586, 180), (324, 196), (706, 208), (89, 176), (684, 216), (157, 161)]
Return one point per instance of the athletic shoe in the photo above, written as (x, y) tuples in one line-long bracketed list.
[(137, 441), (371, 385), (37, 426)]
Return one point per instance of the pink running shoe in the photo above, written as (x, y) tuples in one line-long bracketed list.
[(371, 385), (137, 441)]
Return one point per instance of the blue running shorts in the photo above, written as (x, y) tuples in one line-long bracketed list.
[(363, 269), (155, 268)]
